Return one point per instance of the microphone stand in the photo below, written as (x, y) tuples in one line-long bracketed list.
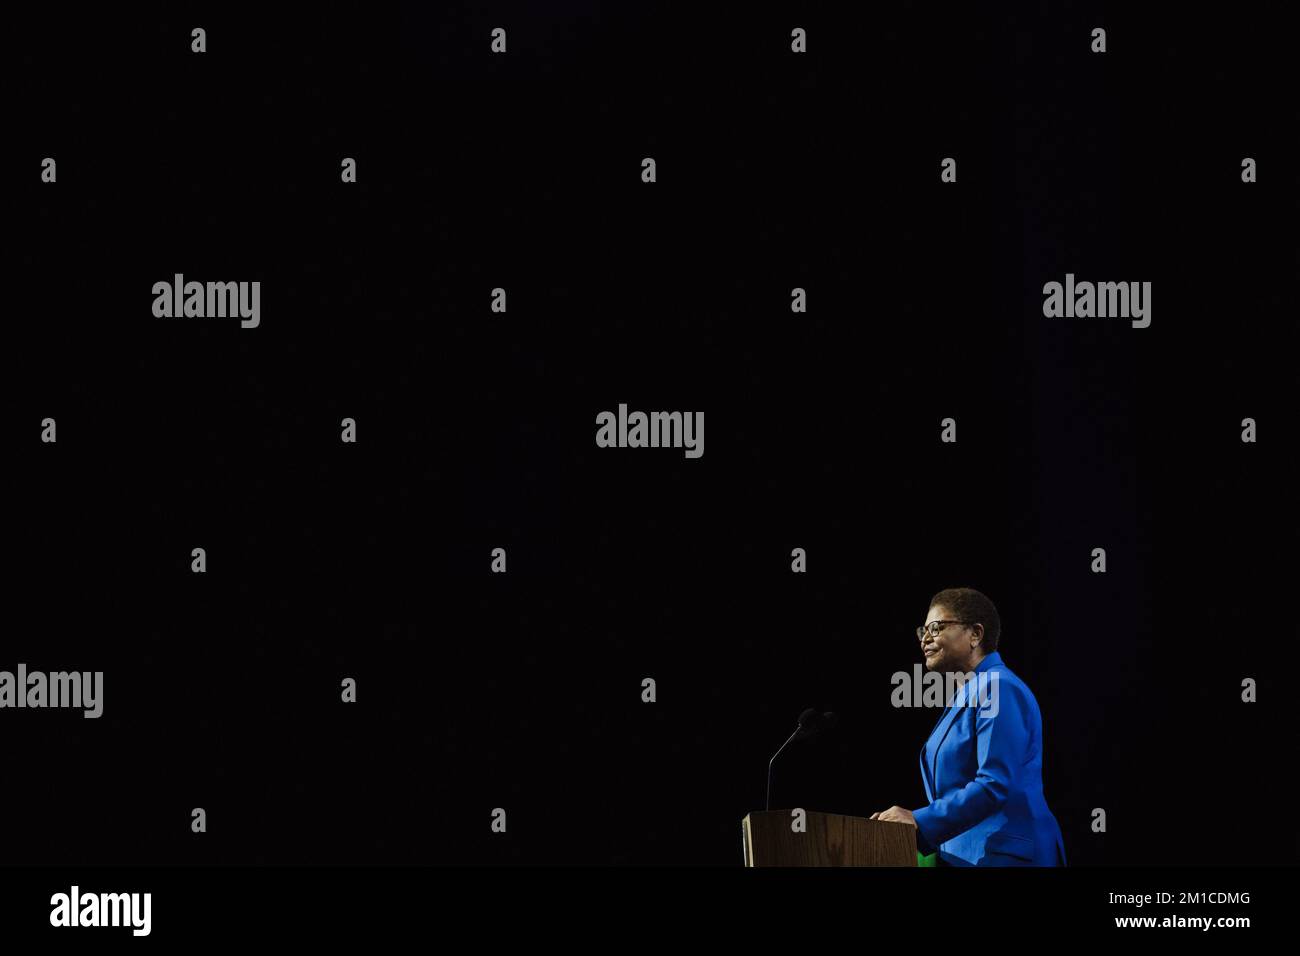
[(797, 731)]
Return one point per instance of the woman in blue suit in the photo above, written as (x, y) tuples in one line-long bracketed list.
[(982, 766)]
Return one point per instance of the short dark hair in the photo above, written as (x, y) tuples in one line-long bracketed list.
[(967, 604)]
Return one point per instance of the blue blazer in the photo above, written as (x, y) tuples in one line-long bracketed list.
[(983, 774)]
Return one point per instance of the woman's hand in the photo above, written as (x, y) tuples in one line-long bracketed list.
[(895, 815)]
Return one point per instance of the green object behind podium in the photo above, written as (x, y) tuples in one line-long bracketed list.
[(924, 860)]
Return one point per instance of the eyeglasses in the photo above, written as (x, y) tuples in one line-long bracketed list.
[(934, 627)]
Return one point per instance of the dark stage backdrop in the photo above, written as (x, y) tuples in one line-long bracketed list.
[(476, 428)]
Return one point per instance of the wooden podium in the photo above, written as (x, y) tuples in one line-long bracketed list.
[(831, 839)]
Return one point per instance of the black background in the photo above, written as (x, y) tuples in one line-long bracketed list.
[(476, 429)]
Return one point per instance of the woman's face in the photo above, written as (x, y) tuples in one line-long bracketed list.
[(951, 649)]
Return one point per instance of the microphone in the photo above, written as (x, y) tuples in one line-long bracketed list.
[(811, 723)]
